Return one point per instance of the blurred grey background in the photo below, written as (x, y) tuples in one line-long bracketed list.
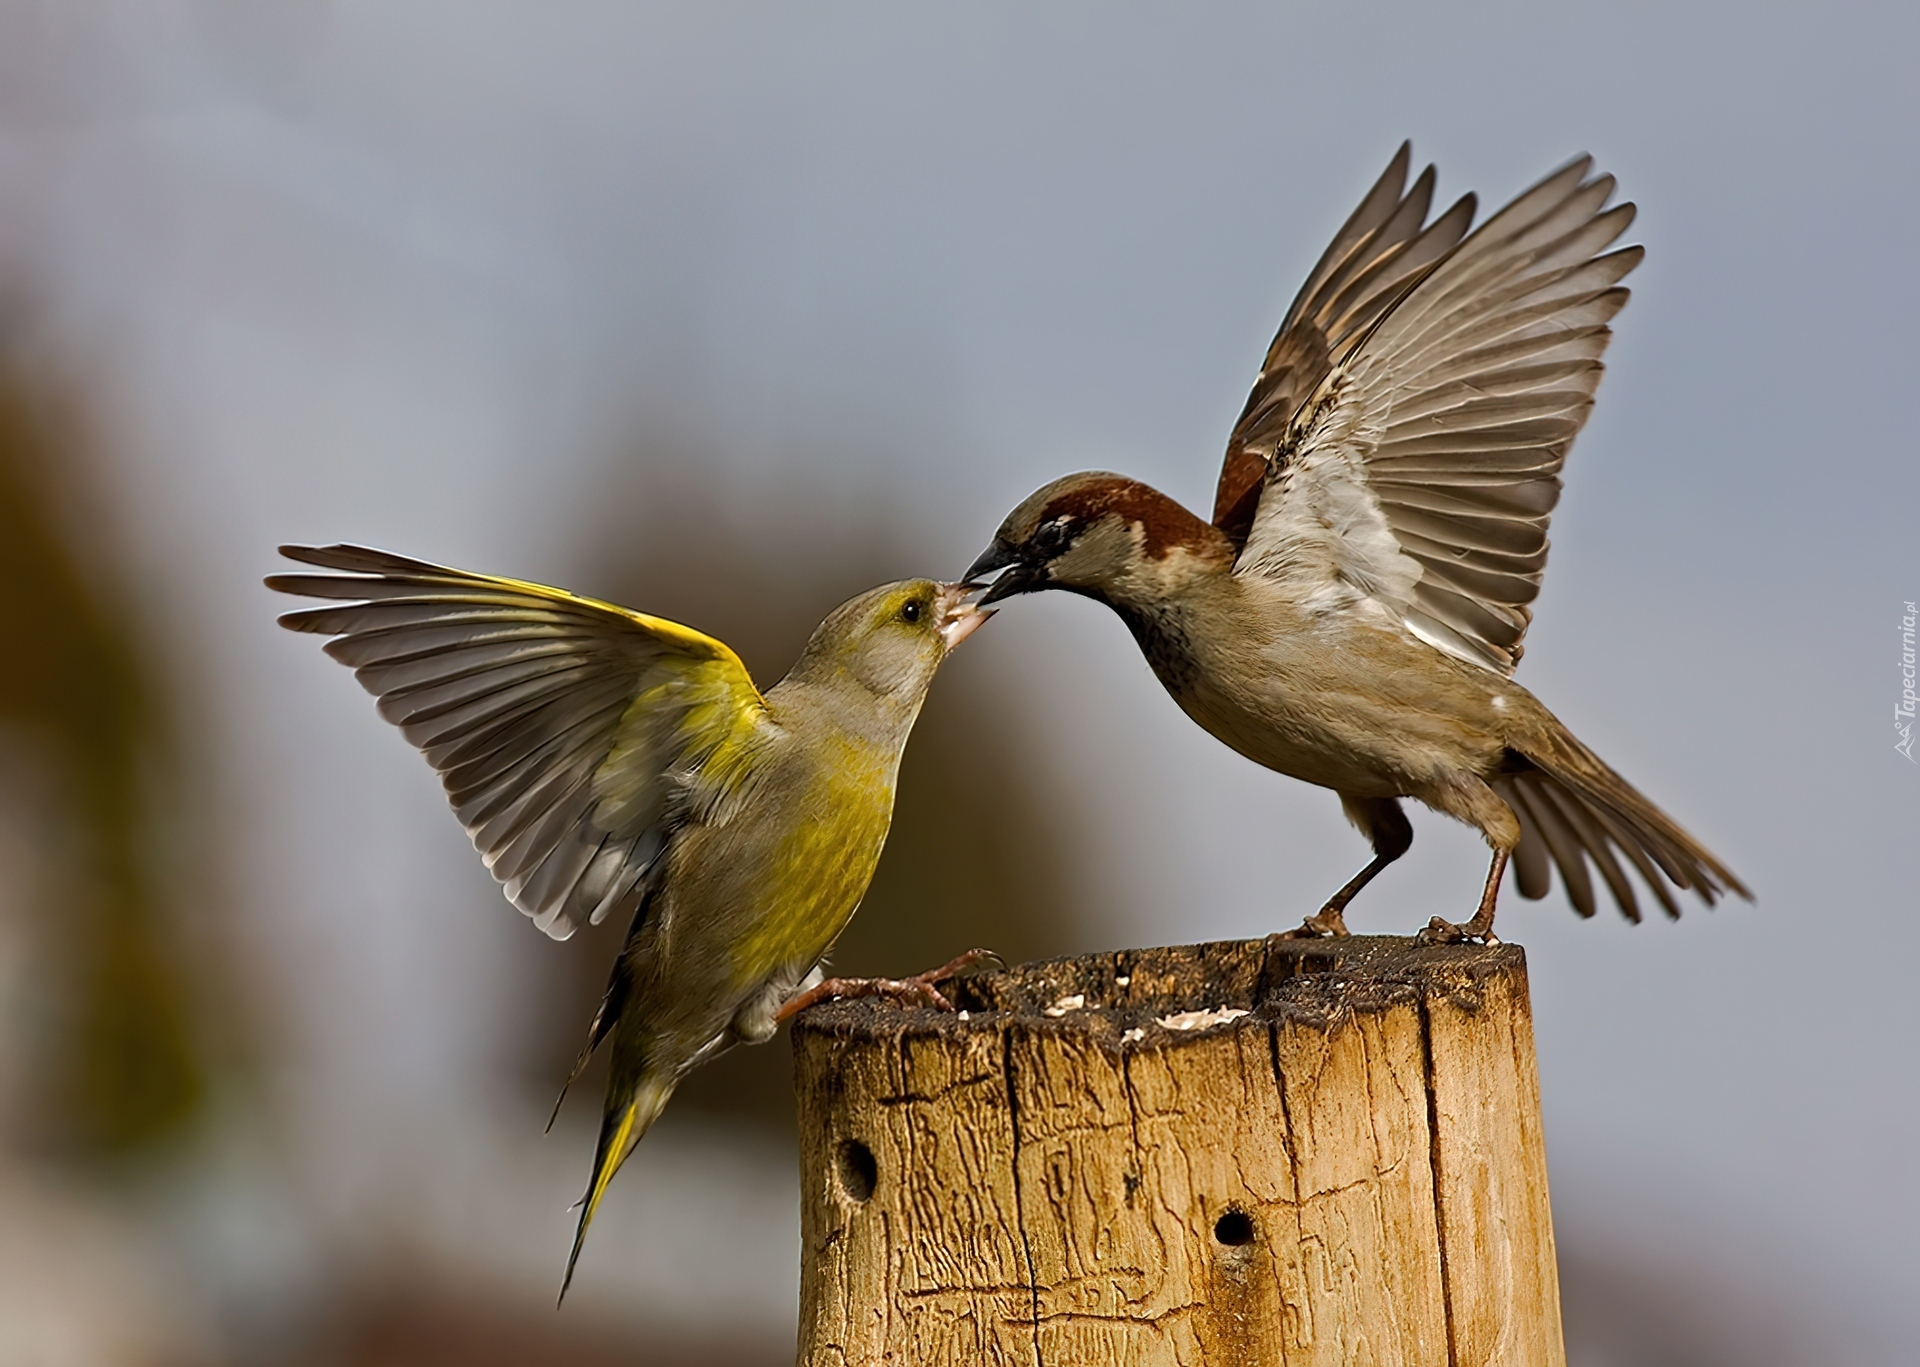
[(728, 310)]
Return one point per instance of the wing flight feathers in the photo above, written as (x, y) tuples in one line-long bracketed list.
[(1446, 425), (1382, 248), (520, 695)]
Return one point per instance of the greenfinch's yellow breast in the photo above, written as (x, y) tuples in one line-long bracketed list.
[(819, 870)]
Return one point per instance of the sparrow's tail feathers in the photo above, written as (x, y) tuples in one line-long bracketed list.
[(1573, 808), (629, 1115)]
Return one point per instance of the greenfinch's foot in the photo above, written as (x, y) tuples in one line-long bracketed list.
[(918, 990), (1439, 932), (1326, 923), (962, 964)]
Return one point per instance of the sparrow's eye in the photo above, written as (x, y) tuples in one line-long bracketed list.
[(1050, 538), (911, 612)]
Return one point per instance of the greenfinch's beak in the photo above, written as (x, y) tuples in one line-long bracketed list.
[(959, 618)]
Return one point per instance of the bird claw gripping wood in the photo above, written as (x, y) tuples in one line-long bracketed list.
[(919, 990), (1439, 932), (1326, 924)]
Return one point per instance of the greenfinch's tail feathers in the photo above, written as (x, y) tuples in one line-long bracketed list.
[(620, 1130), (594, 1036), (612, 1003)]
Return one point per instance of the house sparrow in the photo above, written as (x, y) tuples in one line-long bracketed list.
[(1353, 613), (608, 762)]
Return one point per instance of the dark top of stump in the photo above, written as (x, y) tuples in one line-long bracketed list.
[(1127, 996)]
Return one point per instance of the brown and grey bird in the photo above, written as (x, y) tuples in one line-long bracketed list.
[(1353, 613), (610, 763)]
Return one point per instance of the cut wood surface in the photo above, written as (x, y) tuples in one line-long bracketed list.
[(1246, 1153)]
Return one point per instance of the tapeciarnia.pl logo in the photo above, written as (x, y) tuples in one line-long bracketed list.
[(1903, 710)]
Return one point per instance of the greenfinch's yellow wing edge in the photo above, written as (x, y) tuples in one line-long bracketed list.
[(349, 558)]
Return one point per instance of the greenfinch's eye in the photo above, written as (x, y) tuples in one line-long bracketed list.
[(911, 612)]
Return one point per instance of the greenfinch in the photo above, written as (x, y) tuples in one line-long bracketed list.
[(1353, 613), (606, 763)]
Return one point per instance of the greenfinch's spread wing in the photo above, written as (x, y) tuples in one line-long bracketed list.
[(564, 729)]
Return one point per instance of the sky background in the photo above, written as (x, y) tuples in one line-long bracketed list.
[(494, 284)]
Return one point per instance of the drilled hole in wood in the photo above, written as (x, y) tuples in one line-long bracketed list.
[(1234, 1229), (858, 1170)]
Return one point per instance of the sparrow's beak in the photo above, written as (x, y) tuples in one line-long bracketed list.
[(1020, 577), (996, 557), (959, 617)]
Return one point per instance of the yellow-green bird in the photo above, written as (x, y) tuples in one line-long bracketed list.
[(608, 762)]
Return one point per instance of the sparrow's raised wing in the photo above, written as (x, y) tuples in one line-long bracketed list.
[(1383, 248), (563, 728), (1420, 473)]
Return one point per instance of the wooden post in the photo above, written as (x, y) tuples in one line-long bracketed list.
[(1232, 1154)]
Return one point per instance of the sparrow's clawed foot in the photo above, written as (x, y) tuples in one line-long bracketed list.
[(919, 990), (1328, 923), (1439, 932)]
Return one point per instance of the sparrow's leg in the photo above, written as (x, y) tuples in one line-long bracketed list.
[(1466, 797), (1439, 932), (918, 990), (1382, 822)]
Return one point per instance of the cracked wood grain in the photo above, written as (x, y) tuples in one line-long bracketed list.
[(1351, 1172)]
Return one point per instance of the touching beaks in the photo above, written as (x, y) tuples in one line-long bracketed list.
[(1020, 574), (1020, 578), (963, 615), (996, 557)]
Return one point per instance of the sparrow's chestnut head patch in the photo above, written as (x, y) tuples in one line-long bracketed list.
[(1086, 531)]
